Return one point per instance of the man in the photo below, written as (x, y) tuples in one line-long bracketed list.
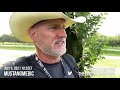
[(47, 31)]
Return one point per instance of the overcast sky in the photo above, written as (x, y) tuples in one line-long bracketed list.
[(4, 22), (110, 26)]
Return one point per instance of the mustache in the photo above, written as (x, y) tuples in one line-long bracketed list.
[(62, 40)]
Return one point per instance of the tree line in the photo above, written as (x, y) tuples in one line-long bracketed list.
[(113, 40), (10, 39)]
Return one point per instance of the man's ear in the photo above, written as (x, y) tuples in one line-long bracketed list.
[(32, 34)]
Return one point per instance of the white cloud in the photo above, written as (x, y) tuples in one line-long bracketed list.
[(111, 25)]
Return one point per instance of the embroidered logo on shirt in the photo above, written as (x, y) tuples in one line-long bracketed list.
[(69, 72)]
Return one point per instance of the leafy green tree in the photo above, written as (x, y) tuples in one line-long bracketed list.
[(8, 38), (82, 41)]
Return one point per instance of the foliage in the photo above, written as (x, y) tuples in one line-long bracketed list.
[(83, 42), (8, 38), (113, 40)]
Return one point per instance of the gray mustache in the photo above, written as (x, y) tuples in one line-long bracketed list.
[(60, 40)]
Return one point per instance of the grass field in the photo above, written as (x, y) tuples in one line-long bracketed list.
[(107, 68), (18, 47), (112, 52), (116, 48)]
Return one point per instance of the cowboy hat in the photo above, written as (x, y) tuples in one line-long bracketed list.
[(20, 22)]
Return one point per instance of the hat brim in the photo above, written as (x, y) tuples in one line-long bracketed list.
[(20, 22)]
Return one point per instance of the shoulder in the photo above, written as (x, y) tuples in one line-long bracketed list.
[(23, 61), (69, 57), (71, 62)]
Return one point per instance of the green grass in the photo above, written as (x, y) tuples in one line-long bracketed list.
[(108, 63), (117, 48), (18, 47), (112, 52)]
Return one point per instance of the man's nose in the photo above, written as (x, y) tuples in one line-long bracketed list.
[(62, 33)]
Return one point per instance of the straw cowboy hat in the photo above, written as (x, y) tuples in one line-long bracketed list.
[(20, 22)]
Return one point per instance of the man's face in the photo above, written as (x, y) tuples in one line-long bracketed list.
[(51, 37)]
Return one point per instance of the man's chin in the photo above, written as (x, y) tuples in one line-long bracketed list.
[(59, 53), (54, 52)]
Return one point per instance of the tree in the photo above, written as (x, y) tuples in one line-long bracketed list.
[(82, 41), (113, 40), (8, 38)]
